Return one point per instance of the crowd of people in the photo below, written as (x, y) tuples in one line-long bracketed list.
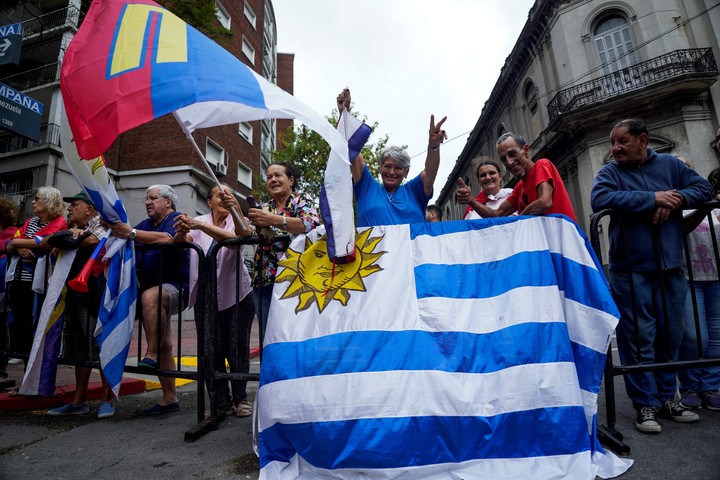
[(647, 191)]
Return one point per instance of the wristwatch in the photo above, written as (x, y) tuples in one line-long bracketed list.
[(284, 224), (132, 235)]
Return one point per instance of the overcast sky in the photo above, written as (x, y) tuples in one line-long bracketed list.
[(402, 60)]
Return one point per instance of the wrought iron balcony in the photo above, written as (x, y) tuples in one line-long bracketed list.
[(64, 17), (33, 78), (671, 66), (11, 142)]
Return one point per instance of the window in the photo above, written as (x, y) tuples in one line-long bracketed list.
[(246, 131), (500, 130), (222, 15), (214, 153), (530, 95), (248, 50), (250, 15), (614, 44), (244, 175)]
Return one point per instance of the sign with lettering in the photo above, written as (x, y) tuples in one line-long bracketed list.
[(10, 43), (19, 113)]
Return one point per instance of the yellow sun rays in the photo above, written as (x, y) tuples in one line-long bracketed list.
[(315, 279)]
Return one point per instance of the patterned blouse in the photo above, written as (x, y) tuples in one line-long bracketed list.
[(296, 206)]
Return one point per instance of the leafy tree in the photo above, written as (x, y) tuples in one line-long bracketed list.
[(307, 150), (200, 14)]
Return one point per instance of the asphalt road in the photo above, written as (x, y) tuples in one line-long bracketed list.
[(128, 446)]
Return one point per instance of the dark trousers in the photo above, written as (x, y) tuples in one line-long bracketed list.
[(231, 342)]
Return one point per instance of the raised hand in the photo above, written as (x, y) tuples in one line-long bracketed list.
[(437, 134), (463, 194), (343, 100)]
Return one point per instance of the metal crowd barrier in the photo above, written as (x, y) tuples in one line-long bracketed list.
[(209, 327), (608, 434)]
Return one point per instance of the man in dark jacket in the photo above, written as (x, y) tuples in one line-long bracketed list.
[(647, 192)]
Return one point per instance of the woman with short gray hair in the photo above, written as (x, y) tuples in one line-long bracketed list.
[(392, 202)]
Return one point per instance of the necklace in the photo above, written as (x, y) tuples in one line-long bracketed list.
[(390, 197)]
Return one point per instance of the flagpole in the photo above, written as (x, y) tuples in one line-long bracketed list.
[(235, 214)]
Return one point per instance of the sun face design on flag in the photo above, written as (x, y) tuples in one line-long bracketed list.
[(314, 278)]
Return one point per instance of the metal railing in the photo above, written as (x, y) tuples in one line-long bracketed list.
[(64, 17), (11, 142), (672, 65), (36, 77), (608, 433)]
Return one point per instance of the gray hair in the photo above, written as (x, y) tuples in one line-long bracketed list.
[(519, 139), (53, 199), (398, 154), (166, 191)]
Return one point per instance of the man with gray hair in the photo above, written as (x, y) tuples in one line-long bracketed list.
[(540, 189), (159, 268)]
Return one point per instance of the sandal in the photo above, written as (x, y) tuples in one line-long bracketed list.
[(243, 409)]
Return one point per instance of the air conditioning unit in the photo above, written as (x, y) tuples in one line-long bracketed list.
[(220, 169)]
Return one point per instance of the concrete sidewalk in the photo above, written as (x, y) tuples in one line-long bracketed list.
[(132, 383)]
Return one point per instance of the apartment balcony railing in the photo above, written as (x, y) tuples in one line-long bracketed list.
[(64, 17), (674, 65), (33, 78), (11, 142)]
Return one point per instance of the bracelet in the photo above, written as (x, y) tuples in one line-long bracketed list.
[(433, 149), (38, 239)]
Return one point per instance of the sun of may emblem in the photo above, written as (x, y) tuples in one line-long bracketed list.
[(314, 278)]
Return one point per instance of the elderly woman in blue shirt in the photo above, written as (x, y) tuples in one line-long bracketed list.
[(392, 202)]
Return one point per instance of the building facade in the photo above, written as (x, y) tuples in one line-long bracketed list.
[(579, 65), (156, 152)]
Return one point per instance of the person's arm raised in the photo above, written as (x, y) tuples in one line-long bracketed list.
[(432, 162)]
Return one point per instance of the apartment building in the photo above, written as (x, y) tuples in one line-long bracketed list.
[(158, 151), (578, 65)]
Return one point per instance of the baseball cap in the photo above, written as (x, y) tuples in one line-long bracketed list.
[(79, 196)]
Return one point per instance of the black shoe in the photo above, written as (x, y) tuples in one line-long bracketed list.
[(646, 420), (675, 411)]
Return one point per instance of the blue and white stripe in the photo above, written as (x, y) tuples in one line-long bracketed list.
[(477, 352)]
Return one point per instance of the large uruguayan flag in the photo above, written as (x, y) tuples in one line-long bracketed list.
[(469, 349), (144, 62), (117, 313)]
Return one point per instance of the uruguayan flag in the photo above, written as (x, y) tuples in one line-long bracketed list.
[(117, 311), (336, 194), (40, 375), (469, 349)]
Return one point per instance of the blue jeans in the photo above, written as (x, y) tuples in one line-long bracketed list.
[(262, 313), (705, 379), (658, 336)]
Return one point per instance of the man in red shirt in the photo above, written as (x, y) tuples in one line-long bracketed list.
[(540, 189)]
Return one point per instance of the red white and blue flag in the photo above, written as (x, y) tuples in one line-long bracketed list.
[(143, 62)]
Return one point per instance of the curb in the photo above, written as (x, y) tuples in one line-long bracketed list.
[(64, 394)]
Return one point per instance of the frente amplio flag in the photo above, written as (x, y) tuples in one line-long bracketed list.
[(469, 349), (133, 61)]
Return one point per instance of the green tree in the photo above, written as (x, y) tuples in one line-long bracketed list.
[(200, 14), (307, 150)]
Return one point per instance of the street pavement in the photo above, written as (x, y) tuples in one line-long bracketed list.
[(130, 446)]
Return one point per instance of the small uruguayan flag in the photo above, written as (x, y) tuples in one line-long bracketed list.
[(469, 349)]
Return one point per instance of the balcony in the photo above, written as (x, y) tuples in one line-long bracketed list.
[(68, 17), (696, 65), (11, 142), (34, 78)]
